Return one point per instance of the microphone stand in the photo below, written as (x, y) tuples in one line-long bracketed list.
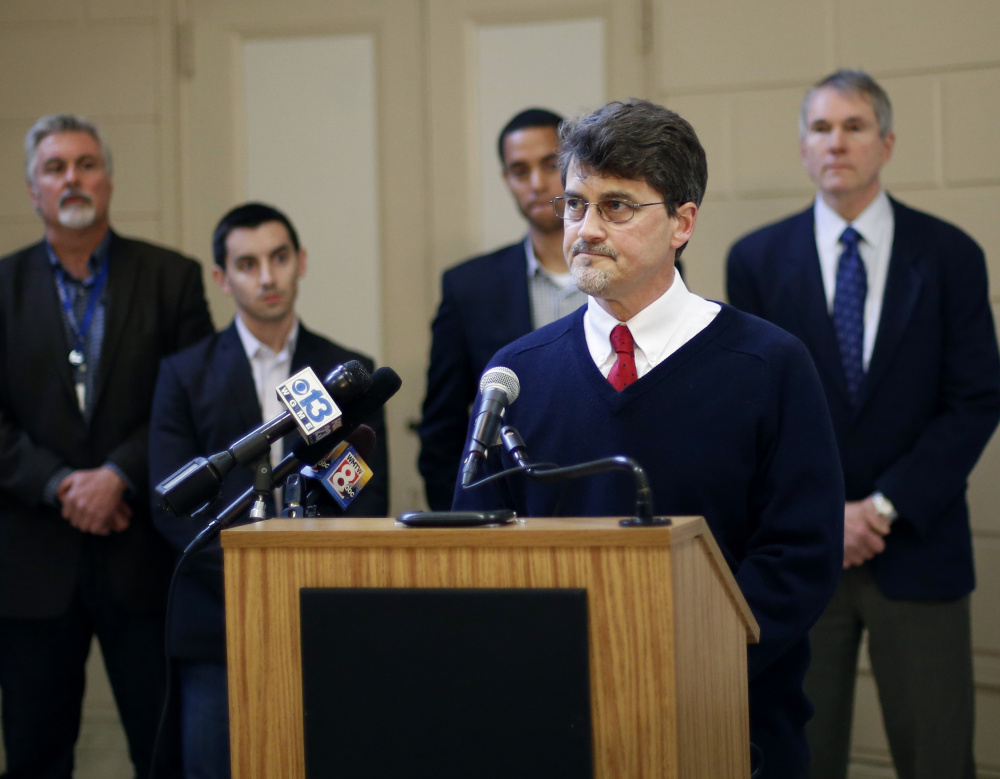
[(262, 487), (515, 447)]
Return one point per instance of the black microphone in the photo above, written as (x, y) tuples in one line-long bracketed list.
[(385, 382), (198, 483), (331, 475), (498, 388)]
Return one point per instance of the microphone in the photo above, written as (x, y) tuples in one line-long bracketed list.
[(293, 497), (343, 473), (385, 382), (514, 445), (197, 483), (498, 388)]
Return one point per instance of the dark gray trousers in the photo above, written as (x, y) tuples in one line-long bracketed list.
[(921, 658)]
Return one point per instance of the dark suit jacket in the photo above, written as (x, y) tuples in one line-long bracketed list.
[(930, 400), (205, 399), (156, 305), (484, 306)]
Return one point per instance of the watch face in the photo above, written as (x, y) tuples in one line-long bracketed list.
[(883, 506)]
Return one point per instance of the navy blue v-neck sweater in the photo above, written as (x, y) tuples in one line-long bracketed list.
[(734, 427)]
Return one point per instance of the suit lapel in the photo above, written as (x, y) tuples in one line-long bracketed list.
[(518, 296), (236, 379), (123, 278), (902, 288), (46, 312)]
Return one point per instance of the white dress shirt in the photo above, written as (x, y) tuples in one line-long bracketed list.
[(269, 369), (875, 225)]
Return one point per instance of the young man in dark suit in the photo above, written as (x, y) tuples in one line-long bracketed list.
[(85, 317), (208, 396), (489, 301), (894, 306)]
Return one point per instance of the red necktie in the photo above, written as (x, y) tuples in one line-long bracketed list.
[(623, 371)]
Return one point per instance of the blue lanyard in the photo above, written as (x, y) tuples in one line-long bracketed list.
[(77, 356)]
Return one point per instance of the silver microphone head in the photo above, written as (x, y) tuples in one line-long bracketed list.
[(501, 378)]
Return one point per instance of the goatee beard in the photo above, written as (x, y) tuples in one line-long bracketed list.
[(77, 217), (590, 280)]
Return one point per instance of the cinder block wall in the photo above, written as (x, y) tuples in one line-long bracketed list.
[(737, 71)]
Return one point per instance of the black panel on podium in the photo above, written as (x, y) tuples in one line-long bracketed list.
[(446, 683)]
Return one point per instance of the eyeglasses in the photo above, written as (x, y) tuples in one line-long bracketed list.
[(573, 209)]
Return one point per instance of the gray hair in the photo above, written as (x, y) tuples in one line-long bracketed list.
[(59, 123), (852, 82)]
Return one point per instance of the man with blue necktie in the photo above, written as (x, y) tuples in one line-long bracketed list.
[(894, 306)]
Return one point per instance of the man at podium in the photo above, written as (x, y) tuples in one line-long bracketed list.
[(724, 411)]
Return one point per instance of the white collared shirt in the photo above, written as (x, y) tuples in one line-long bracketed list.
[(269, 369), (875, 225), (658, 331)]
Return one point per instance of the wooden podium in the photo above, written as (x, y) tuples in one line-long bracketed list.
[(667, 624)]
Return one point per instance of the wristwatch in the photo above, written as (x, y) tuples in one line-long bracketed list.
[(884, 506)]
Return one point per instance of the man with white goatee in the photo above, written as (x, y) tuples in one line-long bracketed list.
[(85, 317)]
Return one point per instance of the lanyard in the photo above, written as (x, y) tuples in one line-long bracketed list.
[(77, 356)]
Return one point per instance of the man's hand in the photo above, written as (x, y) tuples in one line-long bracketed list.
[(864, 531), (92, 501)]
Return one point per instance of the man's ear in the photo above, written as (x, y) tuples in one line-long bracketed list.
[(220, 278), (687, 215)]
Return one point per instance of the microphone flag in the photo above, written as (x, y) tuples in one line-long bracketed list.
[(315, 412), (347, 475)]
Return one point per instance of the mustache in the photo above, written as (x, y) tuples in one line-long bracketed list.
[(74, 193), (591, 248)]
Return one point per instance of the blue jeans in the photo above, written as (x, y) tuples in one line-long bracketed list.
[(204, 720)]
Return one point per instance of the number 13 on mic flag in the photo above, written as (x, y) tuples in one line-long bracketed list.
[(305, 397)]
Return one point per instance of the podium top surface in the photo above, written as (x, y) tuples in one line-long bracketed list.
[(586, 531), (293, 535)]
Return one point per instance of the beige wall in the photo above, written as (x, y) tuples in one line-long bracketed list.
[(737, 71)]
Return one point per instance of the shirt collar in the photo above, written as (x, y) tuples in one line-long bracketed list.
[(830, 224), (254, 348), (94, 264), (562, 281), (534, 266), (652, 328)]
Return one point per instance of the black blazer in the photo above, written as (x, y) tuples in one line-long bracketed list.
[(205, 399), (930, 400), (485, 305), (156, 305)]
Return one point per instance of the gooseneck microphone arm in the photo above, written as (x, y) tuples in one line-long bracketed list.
[(515, 447)]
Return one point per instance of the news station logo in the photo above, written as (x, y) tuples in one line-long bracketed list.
[(316, 415), (347, 475)]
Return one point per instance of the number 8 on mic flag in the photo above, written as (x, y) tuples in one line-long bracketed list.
[(347, 474), (305, 397)]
